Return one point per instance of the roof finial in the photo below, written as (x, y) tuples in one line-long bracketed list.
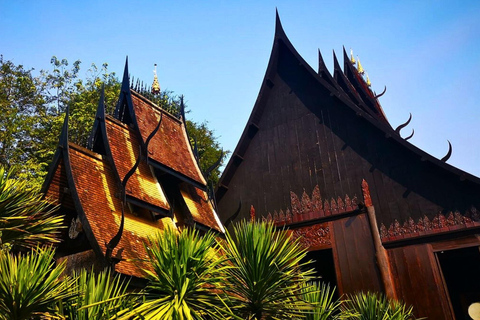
[(368, 81), (155, 85), (359, 66), (352, 59)]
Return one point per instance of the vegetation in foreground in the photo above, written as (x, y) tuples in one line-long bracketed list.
[(256, 272)]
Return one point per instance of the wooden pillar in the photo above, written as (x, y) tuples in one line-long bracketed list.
[(380, 252)]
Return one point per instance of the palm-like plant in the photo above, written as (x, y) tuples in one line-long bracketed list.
[(374, 306), (25, 218), (264, 273), (185, 277), (321, 296), (30, 285), (96, 296)]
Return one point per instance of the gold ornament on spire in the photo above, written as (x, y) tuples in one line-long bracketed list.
[(359, 67), (155, 85), (352, 59), (368, 81)]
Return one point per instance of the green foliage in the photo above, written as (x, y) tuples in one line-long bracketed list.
[(321, 296), (209, 150), (25, 218), (96, 296), (21, 99), (185, 273), (374, 306), (32, 112), (30, 285), (265, 277)]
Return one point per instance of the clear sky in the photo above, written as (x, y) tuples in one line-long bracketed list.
[(427, 53)]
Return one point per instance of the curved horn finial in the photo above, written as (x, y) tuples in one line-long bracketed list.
[(116, 239), (413, 132), (400, 127), (213, 166), (449, 153), (233, 216), (381, 94)]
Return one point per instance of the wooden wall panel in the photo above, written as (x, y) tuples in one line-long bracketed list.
[(418, 281), (355, 256)]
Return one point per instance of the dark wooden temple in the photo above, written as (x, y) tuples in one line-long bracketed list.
[(377, 213), (137, 176)]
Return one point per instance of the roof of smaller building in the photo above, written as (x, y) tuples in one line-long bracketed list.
[(96, 189), (169, 146), (125, 148)]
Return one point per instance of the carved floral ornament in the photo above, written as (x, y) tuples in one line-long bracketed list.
[(309, 237), (309, 208), (424, 226)]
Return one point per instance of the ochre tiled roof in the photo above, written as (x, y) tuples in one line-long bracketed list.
[(96, 188), (199, 206), (170, 145), (124, 145)]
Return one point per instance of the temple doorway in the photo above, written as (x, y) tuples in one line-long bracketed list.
[(324, 265), (461, 272)]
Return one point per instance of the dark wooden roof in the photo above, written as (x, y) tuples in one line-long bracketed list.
[(308, 128)]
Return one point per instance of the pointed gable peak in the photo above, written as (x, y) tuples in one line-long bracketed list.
[(125, 81), (321, 62), (345, 55), (101, 105), (279, 32), (63, 143), (336, 64)]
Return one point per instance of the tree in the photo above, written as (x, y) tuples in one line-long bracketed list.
[(264, 276), (32, 111), (184, 278), (21, 99), (209, 149)]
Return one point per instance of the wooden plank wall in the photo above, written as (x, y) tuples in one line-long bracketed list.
[(354, 256), (418, 281)]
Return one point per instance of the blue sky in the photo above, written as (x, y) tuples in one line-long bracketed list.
[(427, 53)]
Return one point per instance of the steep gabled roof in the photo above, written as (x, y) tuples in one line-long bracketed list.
[(169, 148), (143, 185), (349, 96), (93, 185), (200, 207)]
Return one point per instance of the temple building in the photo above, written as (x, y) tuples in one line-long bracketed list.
[(319, 157), (137, 176)]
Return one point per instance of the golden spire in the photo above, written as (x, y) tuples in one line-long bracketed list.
[(155, 85), (368, 81), (352, 59), (359, 67)]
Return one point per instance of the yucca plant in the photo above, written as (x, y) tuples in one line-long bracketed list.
[(96, 296), (25, 218), (264, 274), (30, 285), (185, 278), (374, 306), (322, 298)]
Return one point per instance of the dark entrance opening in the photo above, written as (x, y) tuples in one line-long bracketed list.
[(461, 271), (324, 265)]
